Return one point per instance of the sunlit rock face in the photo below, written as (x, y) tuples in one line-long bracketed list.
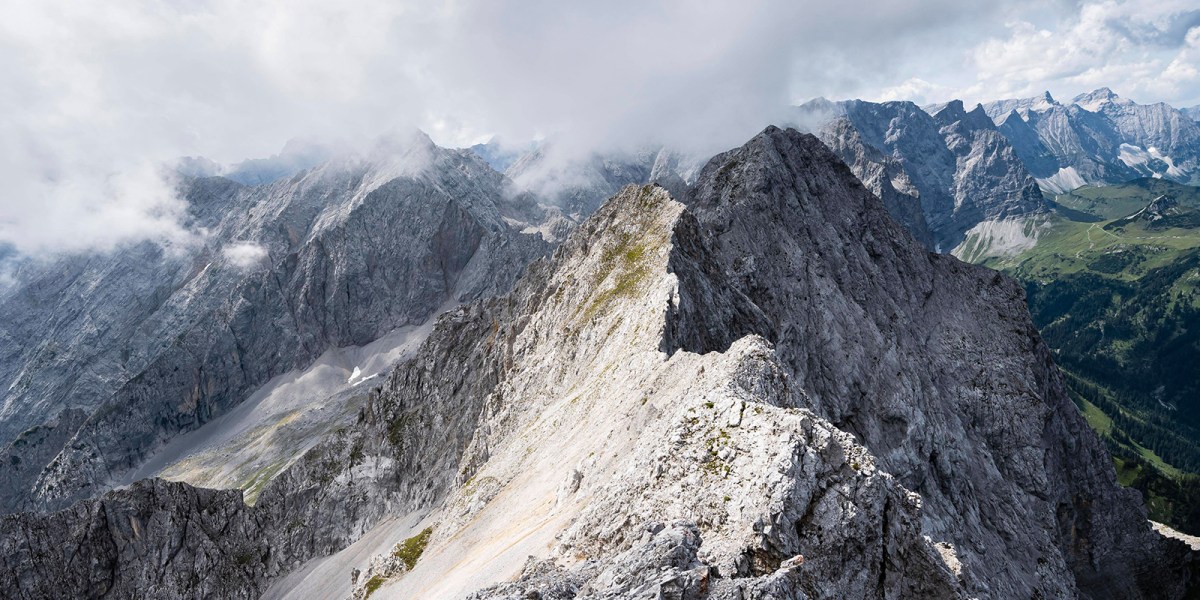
[(1099, 137)]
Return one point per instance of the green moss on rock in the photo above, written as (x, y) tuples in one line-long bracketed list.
[(411, 549)]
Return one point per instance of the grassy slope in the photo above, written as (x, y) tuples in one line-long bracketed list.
[(1115, 201), (1121, 308)]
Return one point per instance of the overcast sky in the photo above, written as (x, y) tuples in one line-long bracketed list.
[(94, 96)]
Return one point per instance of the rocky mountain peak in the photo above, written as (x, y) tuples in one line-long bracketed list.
[(1012, 114), (1162, 203), (1024, 106), (1097, 98), (339, 255), (979, 118), (949, 112), (813, 194)]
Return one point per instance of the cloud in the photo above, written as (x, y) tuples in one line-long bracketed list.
[(915, 89), (96, 95), (74, 206), (1144, 49), (244, 255)]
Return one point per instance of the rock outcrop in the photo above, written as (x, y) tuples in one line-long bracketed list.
[(769, 391)]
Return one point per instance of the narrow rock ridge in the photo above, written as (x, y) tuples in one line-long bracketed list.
[(594, 436), (770, 392)]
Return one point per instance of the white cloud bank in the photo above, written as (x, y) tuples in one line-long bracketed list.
[(1145, 50), (244, 255), (95, 95)]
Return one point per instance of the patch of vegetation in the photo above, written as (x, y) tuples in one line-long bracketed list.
[(356, 452), (473, 485), (244, 558), (411, 549), (1117, 260), (715, 465), (373, 584), (624, 264), (1118, 200)]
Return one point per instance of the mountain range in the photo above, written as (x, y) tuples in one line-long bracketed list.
[(978, 172), (656, 408), (121, 353), (414, 375), (1113, 301), (1099, 138)]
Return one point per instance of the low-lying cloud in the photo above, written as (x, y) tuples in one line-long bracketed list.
[(96, 95), (244, 255)]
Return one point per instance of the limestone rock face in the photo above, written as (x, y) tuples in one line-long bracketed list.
[(883, 175), (769, 391), (935, 366)]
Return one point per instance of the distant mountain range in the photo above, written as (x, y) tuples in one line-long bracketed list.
[(947, 169), (1099, 137), (979, 171), (942, 170)]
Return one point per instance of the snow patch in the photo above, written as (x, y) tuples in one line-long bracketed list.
[(1140, 158), (1093, 104), (1042, 103)]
